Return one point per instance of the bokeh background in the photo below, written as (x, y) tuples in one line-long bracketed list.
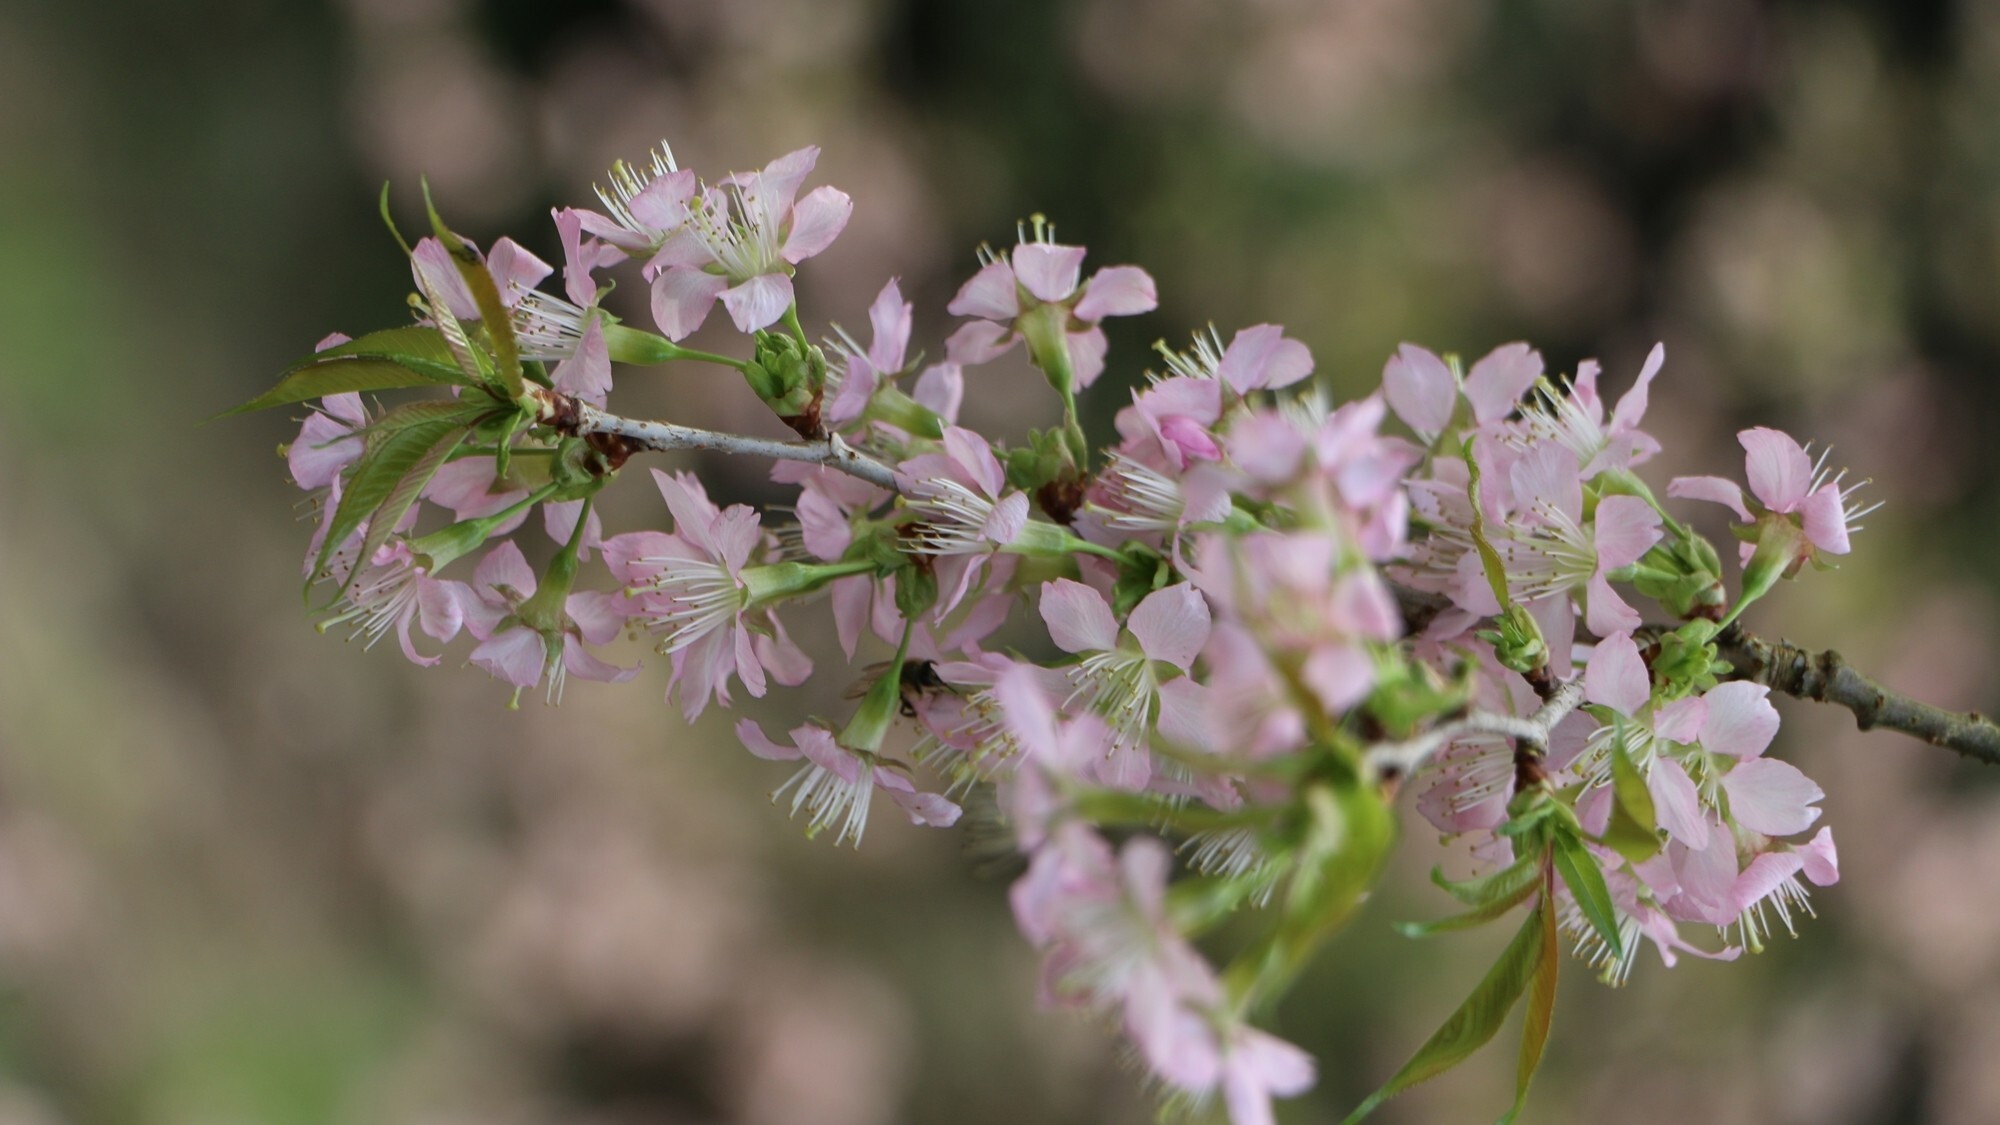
[(249, 874)]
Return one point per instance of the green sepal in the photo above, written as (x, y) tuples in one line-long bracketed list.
[(764, 585), (1476, 1021), (389, 360), (1141, 572), (1046, 458), (916, 591), (1580, 874), (1685, 664), (1540, 1016), (891, 405), (493, 315), (1501, 884)]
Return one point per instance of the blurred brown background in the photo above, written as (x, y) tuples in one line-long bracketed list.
[(252, 875)]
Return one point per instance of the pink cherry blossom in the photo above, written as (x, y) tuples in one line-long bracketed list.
[(965, 507), (518, 653), (328, 441), (1785, 480), (1041, 273), (1122, 681), (395, 591), (643, 206), (835, 784), (739, 242)]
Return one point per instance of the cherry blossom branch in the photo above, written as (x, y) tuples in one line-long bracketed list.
[(1826, 677), (1408, 756), (572, 416)]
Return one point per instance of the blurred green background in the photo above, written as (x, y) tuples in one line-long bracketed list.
[(251, 875)]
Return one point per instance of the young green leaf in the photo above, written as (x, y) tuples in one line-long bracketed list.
[(1579, 872), (1478, 915), (380, 361), (1541, 1015), (1476, 1021), (1489, 559), (1633, 831), (1503, 883), (493, 316), (392, 451)]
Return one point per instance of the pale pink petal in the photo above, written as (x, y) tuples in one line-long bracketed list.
[(1616, 677), (504, 568), (989, 294), (851, 598), (758, 302), (1764, 874), (1026, 711), (515, 270), (1116, 291), (694, 515), (1677, 803), (978, 341), (438, 277), (1171, 625), (928, 810), (1632, 407), (1008, 519), (516, 655), (1778, 469), (1772, 797), (749, 669), (1257, 1067), (1078, 617), (823, 525), (1086, 355), (973, 457), (1707, 878), (889, 316), (1548, 477), (587, 373), (682, 297), (1715, 490), (1605, 612), (1261, 357), (441, 607), (816, 221), (1340, 675), (754, 740), (582, 663), (1740, 722), (599, 616), (1496, 383), (778, 184), (1363, 606), (940, 390), (1266, 446), (1680, 721), (662, 203), (1820, 860), (1627, 527), (1825, 521), (1048, 272), (1420, 390), (323, 448), (781, 656), (1129, 767)]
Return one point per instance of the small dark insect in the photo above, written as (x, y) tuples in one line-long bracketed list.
[(919, 680)]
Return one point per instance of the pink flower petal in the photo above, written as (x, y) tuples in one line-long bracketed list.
[(1778, 469), (890, 317), (1496, 383), (1261, 357), (758, 302), (1050, 273), (1086, 355), (989, 294), (1078, 617), (1605, 612), (587, 374), (1548, 476), (754, 740), (1008, 520), (979, 341), (662, 203), (584, 664), (1772, 797), (1616, 677), (1171, 625), (1680, 721), (816, 222), (1340, 675), (1117, 291), (1627, 527), (851, 598), (1026, 711), (1825, 520), (1740, 722), (682, 297), (598, 615), (778, 184), (1715, 490), (505, 569), (1820, 860), (515, 655), (940, 390), (1678, 803), (1420, 389), (1632, 407)]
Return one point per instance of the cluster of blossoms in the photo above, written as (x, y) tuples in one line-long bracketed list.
[(1227, 642)]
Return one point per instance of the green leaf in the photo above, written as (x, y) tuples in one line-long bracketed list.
[(1579, 872), (404, 493), (1541, 1015), (1478, 915), (1634, 828), (1487, 888), (392, 451), (493, 316), (380, 361), (1476, 1021)]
